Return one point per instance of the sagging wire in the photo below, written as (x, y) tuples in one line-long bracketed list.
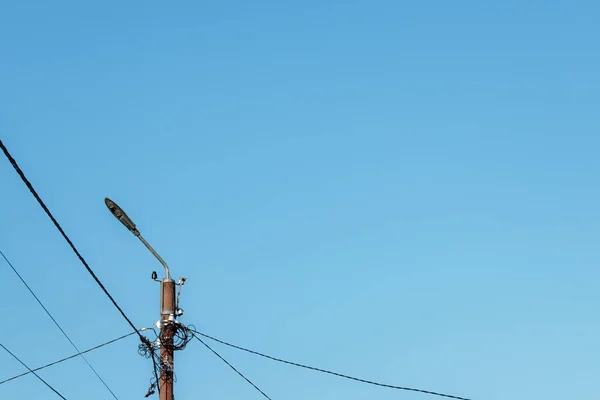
[(198, 334)]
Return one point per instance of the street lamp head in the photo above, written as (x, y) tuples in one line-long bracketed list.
[(121, 216), (125, 220)]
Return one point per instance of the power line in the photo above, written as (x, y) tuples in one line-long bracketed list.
[(330, 372), (57, 324), (62, 232), (231, 366), (39, 377), (68, 358)]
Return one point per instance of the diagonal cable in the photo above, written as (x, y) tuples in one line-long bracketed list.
[(329, 372), (62, 232), (232, 367), (21, 174), (57, 324), (39, 377), (67, 358)]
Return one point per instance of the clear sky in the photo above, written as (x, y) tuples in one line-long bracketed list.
[(401, 191)]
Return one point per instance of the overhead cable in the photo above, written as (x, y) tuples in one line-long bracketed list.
[(39, 377), (232, 367), (57, 324), (329, 372), (62, 232), (68, 358)]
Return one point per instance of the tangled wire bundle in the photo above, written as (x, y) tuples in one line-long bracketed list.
[(174, 336), (147, 349), (182, 336)]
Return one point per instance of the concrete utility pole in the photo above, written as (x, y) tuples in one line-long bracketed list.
[(168, 309)]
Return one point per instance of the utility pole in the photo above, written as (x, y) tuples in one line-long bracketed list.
[(169, 309), (167, 331)]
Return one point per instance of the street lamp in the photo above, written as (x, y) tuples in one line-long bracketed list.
[(125, 220), (169, 309)]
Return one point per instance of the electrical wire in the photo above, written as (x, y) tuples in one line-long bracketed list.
[(21, 174), (30, 370), (231, 366), (68, 358), (155, 368), (62, 232), (57, 324), (329, 372)]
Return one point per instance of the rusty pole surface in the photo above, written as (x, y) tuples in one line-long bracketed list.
[(167, 330)]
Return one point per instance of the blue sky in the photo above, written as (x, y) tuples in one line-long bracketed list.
[(405, 192)]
